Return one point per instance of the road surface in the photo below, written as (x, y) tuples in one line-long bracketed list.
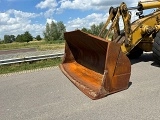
[(47, 94), (4, 52)]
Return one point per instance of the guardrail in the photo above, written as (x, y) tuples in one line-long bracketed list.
[(30, 59)]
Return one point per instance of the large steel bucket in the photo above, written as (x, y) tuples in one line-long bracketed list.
[(96, 66)]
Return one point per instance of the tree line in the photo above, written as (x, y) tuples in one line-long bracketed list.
[(53, 32), (94, 29), (25, 37)]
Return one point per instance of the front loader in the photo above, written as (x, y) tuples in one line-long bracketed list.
[(99, 65)]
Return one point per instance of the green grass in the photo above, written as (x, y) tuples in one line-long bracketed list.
[(39, 45), (4, 69)]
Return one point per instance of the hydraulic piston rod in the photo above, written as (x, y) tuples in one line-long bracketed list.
[(146, 5)]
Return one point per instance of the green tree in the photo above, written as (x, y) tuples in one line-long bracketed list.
[(27, 37), (38, 37), (95, 29), (100, 26), (47, 33), (84, 29), (7, 39), (61, 29), (50, 34), (54, 31), (12, 37), (1, 41), (19, 38)]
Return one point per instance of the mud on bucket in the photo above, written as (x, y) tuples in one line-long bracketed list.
[(94, 65)]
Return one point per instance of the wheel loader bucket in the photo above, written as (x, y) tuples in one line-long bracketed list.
[(94, 65)]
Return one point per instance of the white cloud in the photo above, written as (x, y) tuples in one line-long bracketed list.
[(50, 5), (49, 13), (89, 20), (86, 22), (75, 4), (20, 14), (93, 18), (17, 22), (47, 4), (50, 20), (57, 6), (92, 4)]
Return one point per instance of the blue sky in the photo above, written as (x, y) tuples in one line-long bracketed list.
[(18, 16)]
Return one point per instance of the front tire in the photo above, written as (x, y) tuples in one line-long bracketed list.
[(156, 48)]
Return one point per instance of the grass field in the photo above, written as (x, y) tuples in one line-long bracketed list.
[(4, 69), (39, 45)]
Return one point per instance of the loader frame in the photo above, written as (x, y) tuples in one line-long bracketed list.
[(138, 33)]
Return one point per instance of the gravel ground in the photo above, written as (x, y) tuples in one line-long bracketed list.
[(27, 54)]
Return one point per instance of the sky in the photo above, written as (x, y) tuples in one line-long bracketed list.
[(18, 16)]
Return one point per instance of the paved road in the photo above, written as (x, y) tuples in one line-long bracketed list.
[(4, 52), (21, 53), (48, 95)]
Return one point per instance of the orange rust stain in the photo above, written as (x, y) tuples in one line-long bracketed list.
[(84, 75)]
